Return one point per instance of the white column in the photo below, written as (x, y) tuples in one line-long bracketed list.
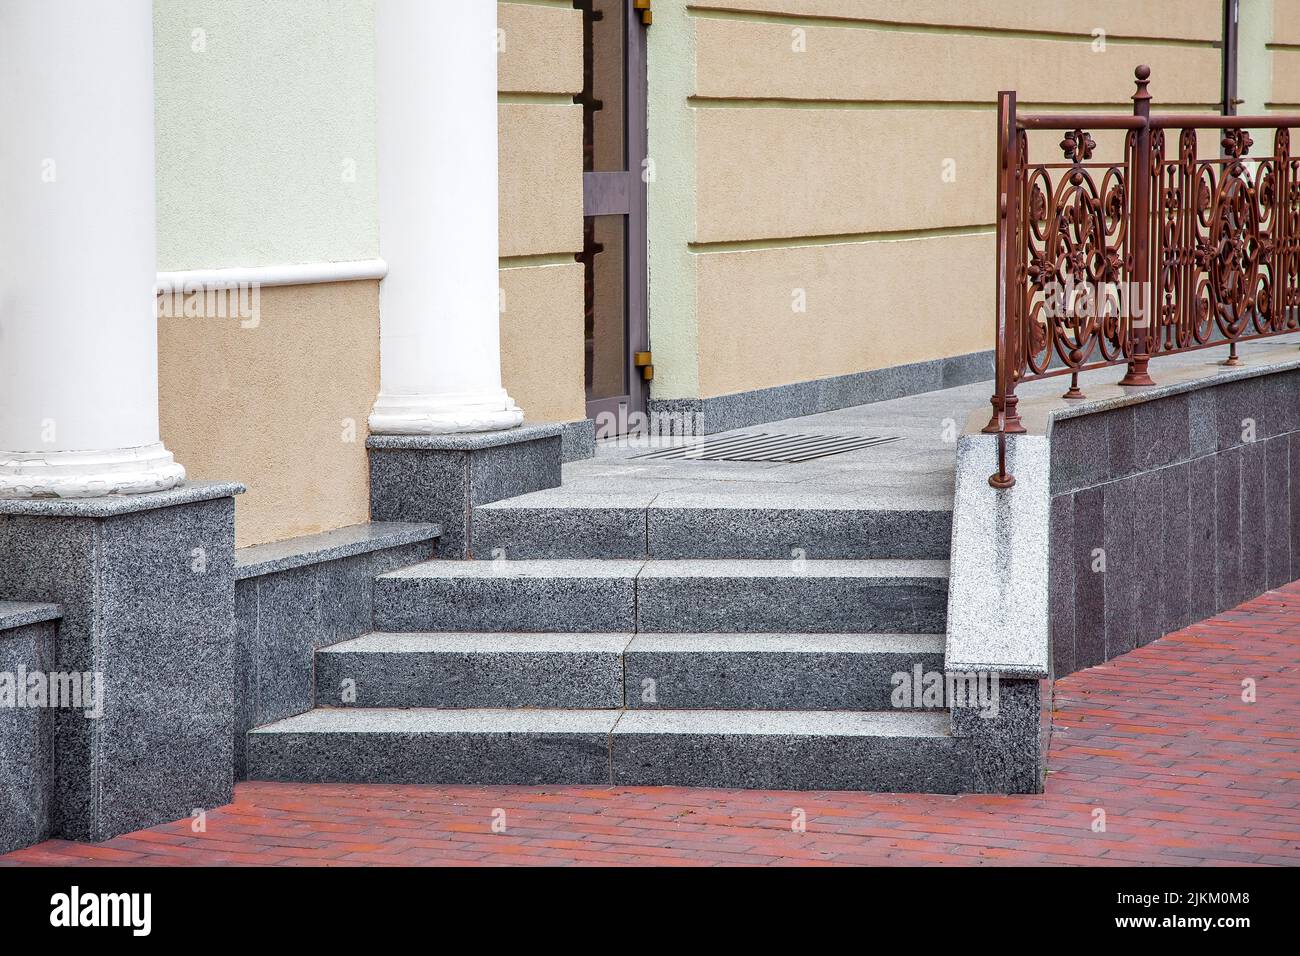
[(78, 327), (440, 338)]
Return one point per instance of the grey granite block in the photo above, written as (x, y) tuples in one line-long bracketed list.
[(773, 671), (1203, 539), (527, 747), (1089, 581), (1003, 753), (1227, 514), (1239, 408), (1149, 562), (14, 614), (676, 530), (1253, 504), (792, 596), (288, 632), (1061, 576), (532, 596), (1121, 574), (1000, 536), (148, 601), (1121, 441), (578, 440), (1277, 512), (1175, 575), (27, 646), (1202, 422), (245, 673), (332, 546), (845, 750), (574, 671), (1162, 435), (1293, 467), (441, 478), (1080, 453), (598, 531)]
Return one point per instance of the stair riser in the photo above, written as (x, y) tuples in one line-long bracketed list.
[(778, 534), (767, 762), (775, 762), (577, 681), (684, 533), (582, 605), (795, 604), (769, 681), (804, 605), (449, 758)]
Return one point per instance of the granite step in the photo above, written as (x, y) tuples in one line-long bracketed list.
[(680, 525), (329, 745), (773, 671), (509, 596), (467, 670), (805, 597), (815, 750), (729, 596)]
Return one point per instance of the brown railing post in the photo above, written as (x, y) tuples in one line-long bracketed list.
[(1005, 418), (1139, 342)]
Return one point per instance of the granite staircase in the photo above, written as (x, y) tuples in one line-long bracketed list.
[(595, 644)]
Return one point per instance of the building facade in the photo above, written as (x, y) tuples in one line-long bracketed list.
[(406, 256)]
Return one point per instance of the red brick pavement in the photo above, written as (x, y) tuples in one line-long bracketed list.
[(1160, 739)]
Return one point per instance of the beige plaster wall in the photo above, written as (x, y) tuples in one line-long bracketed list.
[(280, 405), (843, 163)]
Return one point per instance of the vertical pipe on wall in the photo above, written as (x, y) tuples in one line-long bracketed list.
[(78, 320), (440, 347)]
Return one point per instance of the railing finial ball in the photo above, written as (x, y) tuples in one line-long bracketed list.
[(1142, 73)]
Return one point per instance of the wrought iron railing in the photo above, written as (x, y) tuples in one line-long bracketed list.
[(1164, 250)]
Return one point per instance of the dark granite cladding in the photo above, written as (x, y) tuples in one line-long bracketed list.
[(283, 617), (1190, 495), (744, 409), (26, 739), (148, 606), (1061, 584), (441, 478), (1004, 752)]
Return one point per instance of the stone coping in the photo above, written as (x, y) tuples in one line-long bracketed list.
[(260, 559), (468, 441), (1041, 403), (108, 506), (21, 613)]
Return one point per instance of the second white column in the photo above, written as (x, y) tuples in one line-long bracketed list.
[(440, 343)]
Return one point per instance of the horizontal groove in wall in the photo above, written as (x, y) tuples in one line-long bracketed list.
[(705, 12), (530, 262), (554, 4), (1283, 47), (540, 99), (784, 103), (796, 242)]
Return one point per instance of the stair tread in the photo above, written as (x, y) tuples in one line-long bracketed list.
[(480, 642), (505, 642), (881, 568), (699, 722)]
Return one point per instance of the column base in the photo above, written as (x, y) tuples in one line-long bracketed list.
[(147, 633), (88, 474), (449, 414), (443, 478)]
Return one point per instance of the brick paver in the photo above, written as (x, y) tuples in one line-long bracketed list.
[(1160, 740)]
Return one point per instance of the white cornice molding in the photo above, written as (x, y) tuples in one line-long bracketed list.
[(310, 273)]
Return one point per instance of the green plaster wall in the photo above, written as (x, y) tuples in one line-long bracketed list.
[(265, 132)]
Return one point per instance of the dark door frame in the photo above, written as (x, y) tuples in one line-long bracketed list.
[(1231, 18), (624, 193)]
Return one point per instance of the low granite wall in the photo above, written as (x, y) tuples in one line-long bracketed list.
[(1167, 512), (1135, 511), (27, 635), (294, 597)]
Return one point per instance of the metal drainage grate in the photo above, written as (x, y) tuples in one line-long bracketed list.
[(764, 447)]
